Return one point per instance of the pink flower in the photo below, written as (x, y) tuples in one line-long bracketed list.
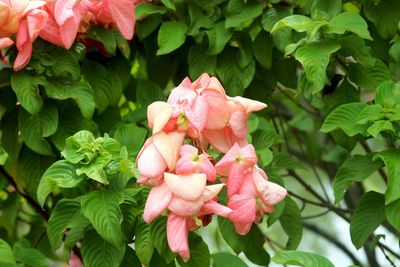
[(26, 19), (191, 162), (255, 197), (160, 152), (187, 198), (65, 17), (114, 13), (234, 165)]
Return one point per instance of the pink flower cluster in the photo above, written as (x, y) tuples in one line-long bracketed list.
[(59, 22), (174, 162)]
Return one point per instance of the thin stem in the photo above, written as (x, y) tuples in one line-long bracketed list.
[(386, 256), (27, 197)]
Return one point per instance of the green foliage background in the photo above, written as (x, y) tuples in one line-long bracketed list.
[(328, 69)]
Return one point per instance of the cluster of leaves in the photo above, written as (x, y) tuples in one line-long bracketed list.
[(327, 69)]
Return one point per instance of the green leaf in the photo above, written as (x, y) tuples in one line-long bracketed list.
[(29, 256), (282, 160), (345, 118), (74, 150), (110, 38), (356, 47), (148, 92), (233, 77), (369, 214), (262, 47), (380, 126), (225, 259), (96, 252), (171, 36), (296, 22), (99, 78), (355, 169), (369, 77), (80, 92), (387, 92), (235, 241), (78, 225), (391, 158), (200, 62), (59, 174), (131, 136), (107, 222), (145, 9), (370, 113), (143, 244), (315, 58), (158, 233), (60, 219), (65, 62), (394, 51), (384, 14), (272, 15), (26, 87), (35, 127), (6, 253), (291, 223), (349, 21), (392, 213), (240, 12), (130, 258), (300, 258), (169, 3), (199, 253), (218, 37)]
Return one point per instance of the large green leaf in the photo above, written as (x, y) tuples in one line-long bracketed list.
[(29, 256), (298, 23), (369, 214), (369, 77), (384, 14), (131, 136), (348, 21), (315, 58), (199, 253), (158, 233), (146, 9), (6, 253), (80, 92), (200, 62), (291, 223), (355, 169), (130, 258), (345, 118), (239, 12), (356, 47), (392, 213), (143, 242), (96, 252), (103, 91), (391, 158), (60, 174), (300, 258), (251, 244), (225, 259), (218, 36), (26, 87), (107, 222), (60, 218), (148, 92), (35, 127), (171, 36), (65, 63), (262, 47)]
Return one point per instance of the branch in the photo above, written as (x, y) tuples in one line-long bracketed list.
[(333, 240), (27, 197)]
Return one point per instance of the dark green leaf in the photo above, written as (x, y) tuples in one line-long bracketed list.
[(299, 258), (391, 158), (199, 253), (26, 87), (107, 222), (369, 214), (226, 259), (218, 36), (200, 62), (291, 223), (171, 36), (144, 246)]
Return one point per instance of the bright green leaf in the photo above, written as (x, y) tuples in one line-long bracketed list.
[(225, 259), (218, 36), (171, 36), (6, 253), (391, 158), (300, 258), (348, 21)]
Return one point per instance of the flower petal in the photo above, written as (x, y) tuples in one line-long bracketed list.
[(157, 201), (168, 145), (158, 115), (213, 207), (188, 187), (149, 161), (177, 235), (183, 207), (244, 208), (211, 191)]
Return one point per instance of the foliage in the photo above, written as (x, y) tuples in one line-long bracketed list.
[(73, 120)]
